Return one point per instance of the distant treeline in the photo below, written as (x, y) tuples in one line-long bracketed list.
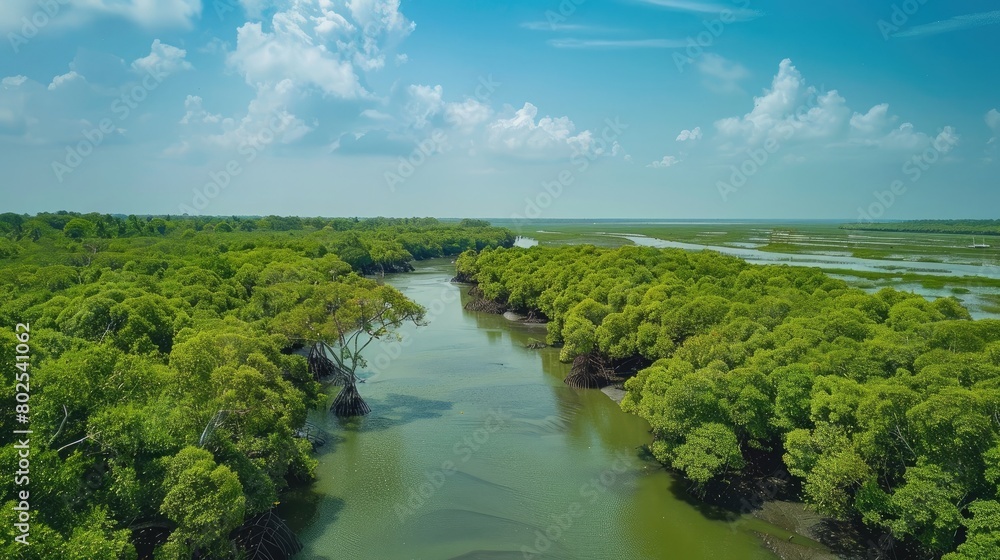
[(369, 245), (966, 227), (106, 226)]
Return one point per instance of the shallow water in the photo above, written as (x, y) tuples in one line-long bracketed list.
[(827, 261), (475, 449)]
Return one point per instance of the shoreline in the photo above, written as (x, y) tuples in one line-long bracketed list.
[(791, 517)]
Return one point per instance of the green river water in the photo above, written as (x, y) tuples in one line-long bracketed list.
[(476, 450)]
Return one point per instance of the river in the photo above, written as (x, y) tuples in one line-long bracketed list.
[(476, 450)]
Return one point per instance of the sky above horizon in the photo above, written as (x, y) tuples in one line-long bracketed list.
[(540, 109)]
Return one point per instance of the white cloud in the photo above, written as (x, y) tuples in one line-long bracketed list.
[(423, 103), (255, 8), (381, 23), (467, 114), (375, 115), (162, 60), (946, 140), (993, 144), (617, 150), (320, 44), (875, 128), (522, 135), (698, 7), (693, 134), (268, 58), (195, 113), (667, 161), (957, 23), (13, 81), (721, 74), (379, 15), (321, 47), (992, 121), (64, 80), (792, 109), (330, 22), (268, 120), (310, 65), (789, 108), (875, 120)]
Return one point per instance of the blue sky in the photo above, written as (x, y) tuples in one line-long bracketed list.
[(578, 108)]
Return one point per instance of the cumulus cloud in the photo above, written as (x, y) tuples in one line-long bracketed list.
[(311, 65), (693, 134), (877, 128), (162, 60), (52, 111), (667, 161), (195, 113), (323, 45), (328, 49), (64, 80), (13, 81), (424, 103), (788, 108), (874, 120), (792, 109), (264, 59), (521, 134), (306, 50), (381, 23), (467, 114), (268, 120)]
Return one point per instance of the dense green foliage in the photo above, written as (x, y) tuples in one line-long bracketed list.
[(163, 392), (968, 227), (885, 406)]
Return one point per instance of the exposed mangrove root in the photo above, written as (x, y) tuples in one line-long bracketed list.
[(311, 433), (322, 368), (627, 367), (486, 306), (266, 537), (535, 317), (349, 402), (476, 291), (535, 344), (387, 268), (590, 371)]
